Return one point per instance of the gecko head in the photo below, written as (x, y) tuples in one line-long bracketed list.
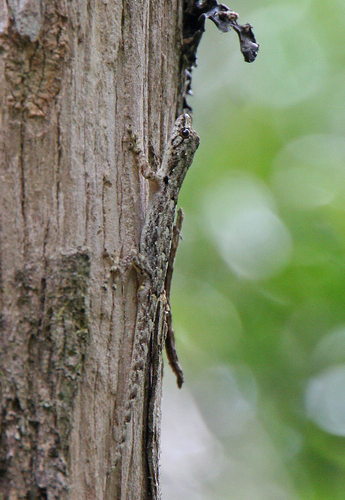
[(184, 136), (183, 143)]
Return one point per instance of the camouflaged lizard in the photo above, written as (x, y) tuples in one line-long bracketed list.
[(153, 322)]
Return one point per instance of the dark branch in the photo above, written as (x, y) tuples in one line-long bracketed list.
[(195, 15)]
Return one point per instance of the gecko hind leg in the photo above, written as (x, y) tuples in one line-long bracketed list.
[(170, 346), (170, 349)]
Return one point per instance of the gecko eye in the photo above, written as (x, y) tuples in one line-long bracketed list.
[(185, 133)]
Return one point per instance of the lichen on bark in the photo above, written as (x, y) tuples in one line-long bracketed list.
[(37, 403)]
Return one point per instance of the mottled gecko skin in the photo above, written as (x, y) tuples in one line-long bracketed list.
[(157, 233), (155, 245), (144, 384)]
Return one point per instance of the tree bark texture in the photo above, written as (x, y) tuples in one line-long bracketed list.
[(74, 77)]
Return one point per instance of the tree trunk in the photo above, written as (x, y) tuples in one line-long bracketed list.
[(74, 77)]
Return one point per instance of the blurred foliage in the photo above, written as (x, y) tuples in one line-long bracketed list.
[(259, 285)]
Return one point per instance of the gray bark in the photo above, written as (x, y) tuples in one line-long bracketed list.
[(73, 77)]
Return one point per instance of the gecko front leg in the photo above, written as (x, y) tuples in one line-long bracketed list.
[(144, 166)]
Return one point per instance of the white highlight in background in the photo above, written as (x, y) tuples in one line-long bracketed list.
[(241, 219), (325, 400)]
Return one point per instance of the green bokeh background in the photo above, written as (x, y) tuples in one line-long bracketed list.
[(259, 286)]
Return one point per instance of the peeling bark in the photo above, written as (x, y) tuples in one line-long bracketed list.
[(73, 77)]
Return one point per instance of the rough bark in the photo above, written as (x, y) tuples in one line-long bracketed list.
[(73, 77)]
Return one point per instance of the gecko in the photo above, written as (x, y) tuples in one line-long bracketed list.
[(157, 247)]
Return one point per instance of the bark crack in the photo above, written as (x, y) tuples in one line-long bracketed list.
[(23, 194)]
